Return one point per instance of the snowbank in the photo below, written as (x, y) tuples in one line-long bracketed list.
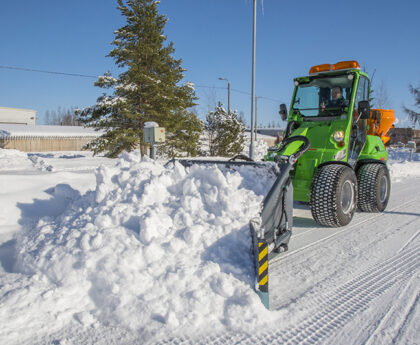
[(260, 149), (399, 166), (152, 249), (14, 160)]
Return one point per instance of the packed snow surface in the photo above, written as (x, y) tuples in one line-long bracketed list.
[(133, 251)]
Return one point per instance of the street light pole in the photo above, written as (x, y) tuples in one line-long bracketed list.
[(228, 84), (256, 116), (254, 38)]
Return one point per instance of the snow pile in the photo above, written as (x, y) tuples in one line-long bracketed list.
[(69, 161), (152, 249), (399, 166), (401, 170), (14, 160), (260, 149), (39, 163)]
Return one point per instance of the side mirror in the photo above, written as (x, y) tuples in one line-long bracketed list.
[(283, 112), (363, 108)]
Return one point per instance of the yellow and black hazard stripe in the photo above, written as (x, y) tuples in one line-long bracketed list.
[(263, 265)]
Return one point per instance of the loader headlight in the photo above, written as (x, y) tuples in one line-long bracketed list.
[(339, 136)]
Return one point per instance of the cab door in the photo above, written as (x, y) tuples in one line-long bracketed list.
[(358, 127)]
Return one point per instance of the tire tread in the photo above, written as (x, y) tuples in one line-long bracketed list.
[(323, 195)]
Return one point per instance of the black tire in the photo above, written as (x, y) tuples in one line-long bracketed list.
[(374, 187), (334, 195)]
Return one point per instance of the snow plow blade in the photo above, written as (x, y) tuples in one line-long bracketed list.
[(272, 228), (269, 167)]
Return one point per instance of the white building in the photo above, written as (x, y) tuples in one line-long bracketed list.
[(17, 116)]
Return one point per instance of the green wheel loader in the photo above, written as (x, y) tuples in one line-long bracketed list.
[(346, 165)]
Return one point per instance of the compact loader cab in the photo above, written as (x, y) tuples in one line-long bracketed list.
[(345, 166)]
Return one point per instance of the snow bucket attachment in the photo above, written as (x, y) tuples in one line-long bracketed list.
[(272, 228), (234, 163)]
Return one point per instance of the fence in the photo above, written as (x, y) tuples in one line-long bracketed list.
[(43, 144)]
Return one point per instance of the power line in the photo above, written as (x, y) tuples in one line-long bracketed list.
[(93, 76), (239, 91), (49, 72), (210, 87), (270, 99)]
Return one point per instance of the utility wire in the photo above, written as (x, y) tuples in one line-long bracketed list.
[(239, 91), (211, 87), (49, 72), (93, 76)]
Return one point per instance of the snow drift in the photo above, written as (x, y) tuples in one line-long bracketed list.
[(153, 248)]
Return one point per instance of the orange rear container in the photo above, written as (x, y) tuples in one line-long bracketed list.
[(380, 122)]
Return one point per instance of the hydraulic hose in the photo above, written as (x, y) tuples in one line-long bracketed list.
[(302, 149)]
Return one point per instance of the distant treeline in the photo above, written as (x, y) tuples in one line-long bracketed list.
[(62, 117)]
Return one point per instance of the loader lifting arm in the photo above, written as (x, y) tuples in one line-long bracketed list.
[(272, 228)]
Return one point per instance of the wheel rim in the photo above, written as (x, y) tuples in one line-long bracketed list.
[(383, 188), (347, 197)]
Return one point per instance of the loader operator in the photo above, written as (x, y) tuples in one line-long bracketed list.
[(337, 100)]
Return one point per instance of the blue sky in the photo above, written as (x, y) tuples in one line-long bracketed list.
[(213, 37)]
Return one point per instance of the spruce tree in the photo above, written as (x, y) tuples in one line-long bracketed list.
[(183, 135), (148, 89), (413, 115), (225, 132)]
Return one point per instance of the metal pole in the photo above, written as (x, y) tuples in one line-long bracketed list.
[(153, 151), (256, 117), (228, 97), (254, 38), (228, 85)]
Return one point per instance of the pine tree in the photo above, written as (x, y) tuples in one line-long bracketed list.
[(148, 88), (413, 115), (183, 135), (225, 132)]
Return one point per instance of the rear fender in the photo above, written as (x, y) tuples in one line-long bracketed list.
[(334, 162), (367, 161)]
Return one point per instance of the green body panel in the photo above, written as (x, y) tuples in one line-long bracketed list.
[(374, 149), (324, 149)]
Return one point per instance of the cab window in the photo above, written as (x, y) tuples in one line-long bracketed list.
[(362, 93)]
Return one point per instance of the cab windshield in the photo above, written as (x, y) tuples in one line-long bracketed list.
[(323, 96)]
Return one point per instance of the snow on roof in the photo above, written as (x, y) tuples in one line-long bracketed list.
[(13, 130), (16, 109)]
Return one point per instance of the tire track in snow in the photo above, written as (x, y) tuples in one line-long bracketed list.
[(345, 229), (334, 308), (347, 251), (382, 326), (338, 307), (412, 238), (408, 318), (363, 217)]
